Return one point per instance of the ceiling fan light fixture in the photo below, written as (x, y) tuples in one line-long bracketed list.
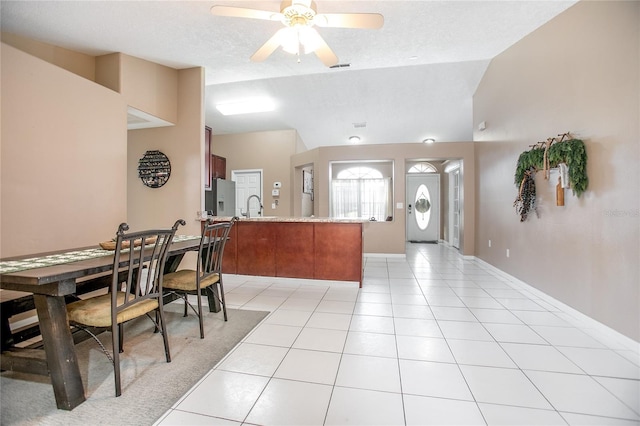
[(309, 39), (246, 107), (289, 41), (299, 18), (300, 39)]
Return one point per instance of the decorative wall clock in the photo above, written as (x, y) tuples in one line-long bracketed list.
[(154, 169)]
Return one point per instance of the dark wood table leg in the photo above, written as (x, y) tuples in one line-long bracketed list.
[(6, 335), (60, 351), (214, 303), (172, 263)]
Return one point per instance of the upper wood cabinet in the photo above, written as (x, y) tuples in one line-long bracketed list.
[(218, 167), (207, 157), (215, 166)]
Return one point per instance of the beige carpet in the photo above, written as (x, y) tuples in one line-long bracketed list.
[(150, 385)]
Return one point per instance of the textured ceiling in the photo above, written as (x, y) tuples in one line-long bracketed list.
[(410, 80)]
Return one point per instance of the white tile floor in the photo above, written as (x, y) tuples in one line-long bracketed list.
[(430, 339)]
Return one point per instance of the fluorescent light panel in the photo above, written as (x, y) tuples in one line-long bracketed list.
[(246, 107)]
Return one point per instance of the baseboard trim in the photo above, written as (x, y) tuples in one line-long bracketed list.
[(397, 255), (581, 319)]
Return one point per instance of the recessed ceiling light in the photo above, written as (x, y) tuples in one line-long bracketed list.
[(413, 58), (246, 107), (354, 139), (429, 140)]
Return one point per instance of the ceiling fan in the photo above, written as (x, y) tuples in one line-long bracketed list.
[(299, 18)]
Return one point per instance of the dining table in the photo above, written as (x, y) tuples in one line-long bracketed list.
[(51, 278)]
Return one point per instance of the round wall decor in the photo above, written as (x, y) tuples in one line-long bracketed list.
[(154, 169)]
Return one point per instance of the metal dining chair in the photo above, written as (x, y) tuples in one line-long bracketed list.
[(136, 290), (208, 273)]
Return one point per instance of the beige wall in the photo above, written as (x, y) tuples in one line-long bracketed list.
[(183, 194), (579, 73), (269, 151), (389, 237), (108, 71), (78, 63), (69, 163), (63, 158), (150, 87)]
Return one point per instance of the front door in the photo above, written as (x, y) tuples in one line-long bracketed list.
[(423, 207), (248, 183)]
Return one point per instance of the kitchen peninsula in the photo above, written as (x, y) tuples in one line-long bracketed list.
[(303, 247)]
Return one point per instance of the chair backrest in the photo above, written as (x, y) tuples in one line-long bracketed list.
[(140, 256), (214, 238)]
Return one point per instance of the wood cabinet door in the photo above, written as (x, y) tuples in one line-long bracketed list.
[(295, 250), (338, 251), (218, 167), (257, 248), (207, 157), (230, 257)]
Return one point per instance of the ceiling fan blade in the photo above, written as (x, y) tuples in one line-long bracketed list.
[(349, 20), (241, 12), (269, 47), (324, 53)]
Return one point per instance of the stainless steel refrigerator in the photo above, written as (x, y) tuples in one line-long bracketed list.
[(221, 200)]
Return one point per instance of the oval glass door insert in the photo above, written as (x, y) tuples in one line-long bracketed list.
[(423, 207)]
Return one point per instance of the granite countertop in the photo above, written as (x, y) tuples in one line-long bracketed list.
[(289, 219)]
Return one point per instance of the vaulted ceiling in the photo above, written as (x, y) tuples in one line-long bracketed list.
[(412, 79)]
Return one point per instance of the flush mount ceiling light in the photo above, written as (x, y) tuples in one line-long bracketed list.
[(354, 139), (429, 140), (246, 107), (299, 18)]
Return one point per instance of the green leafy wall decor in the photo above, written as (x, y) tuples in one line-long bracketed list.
[(571, 152)]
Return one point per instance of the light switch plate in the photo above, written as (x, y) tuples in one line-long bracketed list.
[(275, 192)]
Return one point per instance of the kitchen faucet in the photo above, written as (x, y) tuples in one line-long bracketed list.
[(248, 213)]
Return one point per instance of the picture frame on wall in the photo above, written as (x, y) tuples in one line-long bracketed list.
[(307, 182)]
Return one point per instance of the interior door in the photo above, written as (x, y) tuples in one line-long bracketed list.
[(423, 207), (455, 210), (248, 183)]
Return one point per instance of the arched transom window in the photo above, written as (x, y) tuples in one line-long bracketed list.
[(423, 167), (359, 173)]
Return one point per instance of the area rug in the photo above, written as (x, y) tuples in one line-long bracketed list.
[(150, 385)]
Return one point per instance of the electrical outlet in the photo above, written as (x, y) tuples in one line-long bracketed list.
[(507, 252), (489, 243)]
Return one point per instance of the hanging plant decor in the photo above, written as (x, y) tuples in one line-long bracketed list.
[(526, 201), (574, 155), (542, 157)]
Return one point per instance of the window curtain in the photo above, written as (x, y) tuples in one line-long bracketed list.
[(361, 198)]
